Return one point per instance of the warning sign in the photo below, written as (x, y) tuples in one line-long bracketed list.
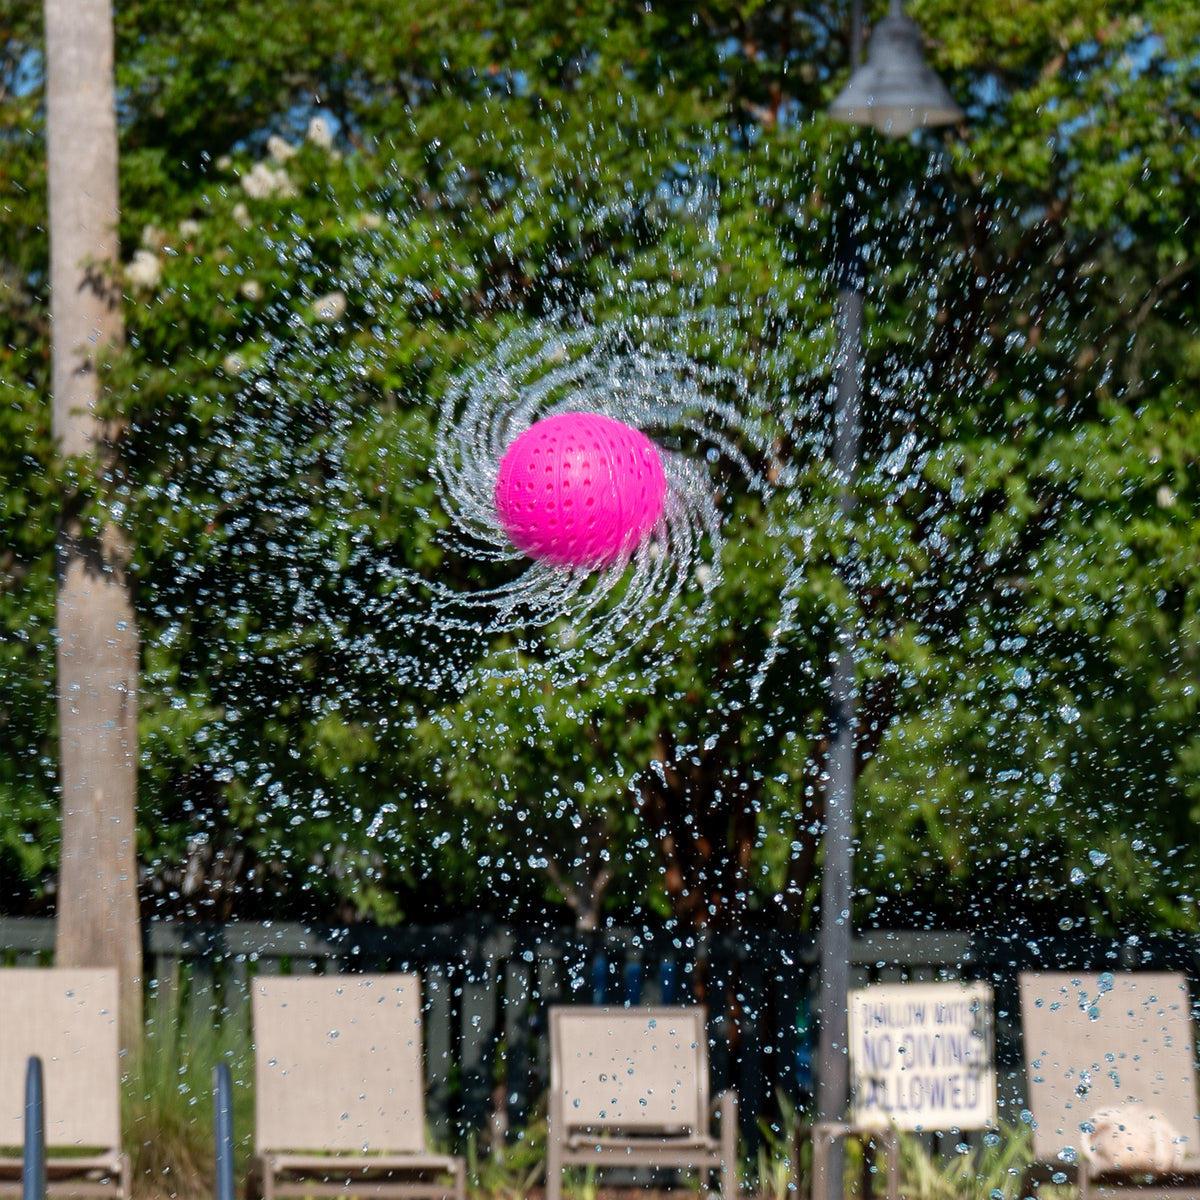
[(921, 1055)]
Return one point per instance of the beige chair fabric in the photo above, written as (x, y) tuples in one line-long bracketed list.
[(68, 1018), (1110, 1064), (340, 1090), (629, 1088)]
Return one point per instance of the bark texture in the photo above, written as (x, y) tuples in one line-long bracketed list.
[(98, 653)]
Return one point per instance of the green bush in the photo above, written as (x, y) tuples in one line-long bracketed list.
[(167, 1100)]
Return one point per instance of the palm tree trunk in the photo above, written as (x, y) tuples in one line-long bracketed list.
[(98, 654)]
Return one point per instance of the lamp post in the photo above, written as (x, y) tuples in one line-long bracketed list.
[(894, 92)]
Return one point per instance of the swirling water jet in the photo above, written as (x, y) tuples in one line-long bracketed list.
[(707, 427), (297, 576)]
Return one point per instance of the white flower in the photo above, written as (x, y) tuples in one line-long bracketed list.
[(154, 238), (224, 163), (330, 307), (251, 290), (189, 227), (264, 181), (241, 214), (233, 363), (320, 132), (280, 149), (144, 272), (369, 220)]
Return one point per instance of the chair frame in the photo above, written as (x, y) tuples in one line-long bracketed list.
[(1062, 1041), (637, 1137), (382, 1091), (824, 1135), (67, 1017)]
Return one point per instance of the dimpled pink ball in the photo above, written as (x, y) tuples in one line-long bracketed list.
[(580, 489)]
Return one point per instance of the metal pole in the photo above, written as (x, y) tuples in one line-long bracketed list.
[(833, 1090), (833, 1086), (223, 1131), (33, 1159)]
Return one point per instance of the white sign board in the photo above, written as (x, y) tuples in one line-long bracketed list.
[(921, 1056)]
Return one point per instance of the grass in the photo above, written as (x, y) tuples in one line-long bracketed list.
[(988, 1168), (507, 1170), (994, 1170), (167, 1102)]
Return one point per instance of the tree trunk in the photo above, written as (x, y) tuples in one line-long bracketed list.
[(703, 810), (98, 918)]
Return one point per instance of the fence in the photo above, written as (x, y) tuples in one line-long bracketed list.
[(487, 988)]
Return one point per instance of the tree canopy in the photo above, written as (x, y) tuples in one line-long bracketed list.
[(339, 218)]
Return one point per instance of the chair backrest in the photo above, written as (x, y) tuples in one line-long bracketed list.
[(639, 1070), (68, 1018), (1100, 1041), (338, 1063)]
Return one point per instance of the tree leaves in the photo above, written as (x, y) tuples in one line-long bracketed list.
[(1022, 572)]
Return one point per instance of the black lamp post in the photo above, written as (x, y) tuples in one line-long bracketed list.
[(894, 92)]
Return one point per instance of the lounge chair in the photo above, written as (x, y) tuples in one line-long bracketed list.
[(340, 1090), (629, 1088), (1110, 1062), (67, 1017)]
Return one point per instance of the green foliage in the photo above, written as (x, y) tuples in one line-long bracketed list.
[(167, 1100), (507, 1170), (995, 1170), (1024, 574)]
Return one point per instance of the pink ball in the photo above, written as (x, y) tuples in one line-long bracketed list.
[(580, 489)]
